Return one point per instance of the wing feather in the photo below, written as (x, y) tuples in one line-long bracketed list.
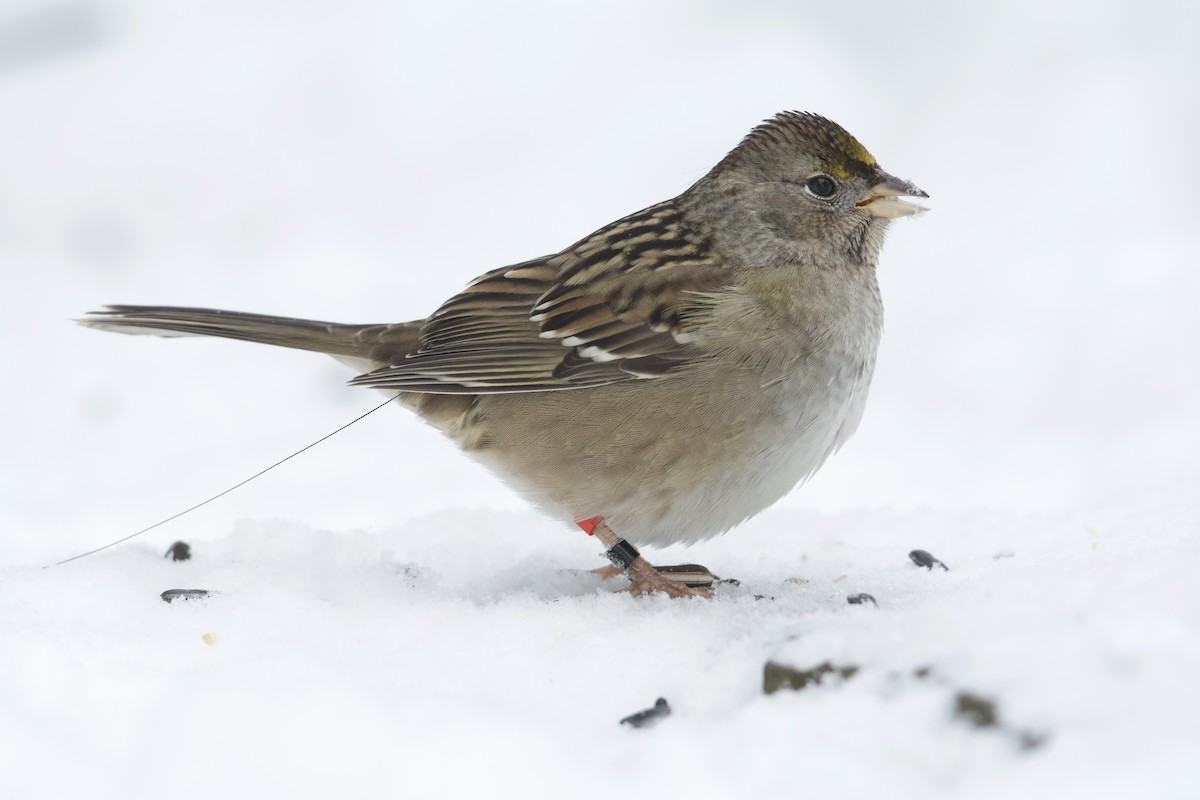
[(612, 307)]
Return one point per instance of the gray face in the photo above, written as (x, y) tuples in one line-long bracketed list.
[(800, 186)]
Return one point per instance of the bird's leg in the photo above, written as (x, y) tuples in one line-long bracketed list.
[(643, 578)]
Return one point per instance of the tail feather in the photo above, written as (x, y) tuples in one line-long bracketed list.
[(382, 344)]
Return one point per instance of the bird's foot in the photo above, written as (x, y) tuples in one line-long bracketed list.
[(693, 579), (684, 580), (645, 579)]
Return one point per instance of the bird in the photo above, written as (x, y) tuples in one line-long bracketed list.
[(662, 379)]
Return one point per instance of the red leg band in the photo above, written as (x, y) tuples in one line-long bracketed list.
[(589, 525)]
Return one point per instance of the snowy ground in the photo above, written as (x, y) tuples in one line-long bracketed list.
[(389, 619), (449, 658)]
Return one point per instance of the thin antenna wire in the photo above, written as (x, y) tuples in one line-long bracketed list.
[(227, 491)]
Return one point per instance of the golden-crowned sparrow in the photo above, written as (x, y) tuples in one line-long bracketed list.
[(664, 378)]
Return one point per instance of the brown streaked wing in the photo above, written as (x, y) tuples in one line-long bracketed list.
[(624, 291), (612, 307)]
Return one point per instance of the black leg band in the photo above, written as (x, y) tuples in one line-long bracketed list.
[(623, 554)]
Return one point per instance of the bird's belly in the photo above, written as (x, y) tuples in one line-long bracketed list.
[(662, 461)]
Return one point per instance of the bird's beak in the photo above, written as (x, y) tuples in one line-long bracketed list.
[(883, 199)]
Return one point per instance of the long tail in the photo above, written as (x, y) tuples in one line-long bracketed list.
[(382, 344)]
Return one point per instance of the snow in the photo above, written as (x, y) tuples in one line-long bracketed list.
[(406, 661), (387, 618)]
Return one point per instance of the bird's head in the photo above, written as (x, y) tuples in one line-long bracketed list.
[(804, 179)]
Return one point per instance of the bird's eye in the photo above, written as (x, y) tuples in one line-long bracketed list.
[(821, 185)]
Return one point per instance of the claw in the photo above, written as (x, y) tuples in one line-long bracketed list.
[(609, 572)]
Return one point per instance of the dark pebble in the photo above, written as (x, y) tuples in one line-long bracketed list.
[(171, 595), (979, 711), (923, 558), (649, 716), (180, 551), (777, 677)]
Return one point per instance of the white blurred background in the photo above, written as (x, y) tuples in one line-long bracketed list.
[(361, 161)]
